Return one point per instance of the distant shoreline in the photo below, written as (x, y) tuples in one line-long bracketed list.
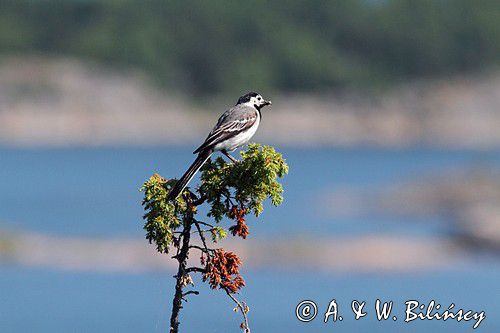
[(380, 253), (67, 103)]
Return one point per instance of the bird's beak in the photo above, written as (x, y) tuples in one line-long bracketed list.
[(267, 103)]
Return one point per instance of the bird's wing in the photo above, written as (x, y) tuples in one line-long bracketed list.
[(234, 121)]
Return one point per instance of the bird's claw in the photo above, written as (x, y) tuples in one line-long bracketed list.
[(230, 157)]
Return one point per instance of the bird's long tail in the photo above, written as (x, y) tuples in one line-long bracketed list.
[(203, 156)]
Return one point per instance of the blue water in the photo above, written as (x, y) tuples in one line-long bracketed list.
[(93, 192), (35, 300)]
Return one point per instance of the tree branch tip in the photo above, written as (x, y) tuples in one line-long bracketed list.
[(244, 185), (194, 292)]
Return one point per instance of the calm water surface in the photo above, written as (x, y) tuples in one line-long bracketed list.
[(93, 192)]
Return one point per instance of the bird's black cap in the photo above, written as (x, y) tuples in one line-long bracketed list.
[(246, 98)]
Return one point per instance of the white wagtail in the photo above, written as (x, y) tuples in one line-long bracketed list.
[(233, 129)]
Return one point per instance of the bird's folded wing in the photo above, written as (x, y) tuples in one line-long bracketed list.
[(228, 129)]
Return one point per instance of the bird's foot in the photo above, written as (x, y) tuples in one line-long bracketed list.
[(229, 156)]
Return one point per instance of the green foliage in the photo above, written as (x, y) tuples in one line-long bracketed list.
[(218, 233), (162, 217), (224, 186), (203, 47), (249, 182)]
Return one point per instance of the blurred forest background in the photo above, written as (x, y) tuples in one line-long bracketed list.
[(205, 47), (392, 135)]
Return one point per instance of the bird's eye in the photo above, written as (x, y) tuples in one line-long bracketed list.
[(259, 98)]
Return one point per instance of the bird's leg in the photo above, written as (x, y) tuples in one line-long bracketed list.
[(229, 156)]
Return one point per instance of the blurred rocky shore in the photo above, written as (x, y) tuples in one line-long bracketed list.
[(465, 200), (358, 254), (66, 102)]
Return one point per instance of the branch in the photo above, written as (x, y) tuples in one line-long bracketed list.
[(199, 201), (195, 269), (204, 223), (205, 249), (202, 237), (194, 292), (243, 308), (182, 259)]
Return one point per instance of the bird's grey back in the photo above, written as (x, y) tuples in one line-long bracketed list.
[(237, 112)]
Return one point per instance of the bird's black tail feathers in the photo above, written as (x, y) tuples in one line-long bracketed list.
[(203, 156)]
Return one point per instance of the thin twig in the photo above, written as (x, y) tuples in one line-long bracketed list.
[(195, 269), (206, 250), (204, 223), (243, 310), (194, 292), (202, 237), (203, 231), (240, 306)]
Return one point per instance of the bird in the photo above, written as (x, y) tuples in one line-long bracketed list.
[(234, 129)]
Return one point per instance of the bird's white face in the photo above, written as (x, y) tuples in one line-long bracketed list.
[(258, 102)]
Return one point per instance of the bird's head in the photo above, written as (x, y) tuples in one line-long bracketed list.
[(253, 99)]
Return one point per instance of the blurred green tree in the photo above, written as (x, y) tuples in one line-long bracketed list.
[(204, 47)]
